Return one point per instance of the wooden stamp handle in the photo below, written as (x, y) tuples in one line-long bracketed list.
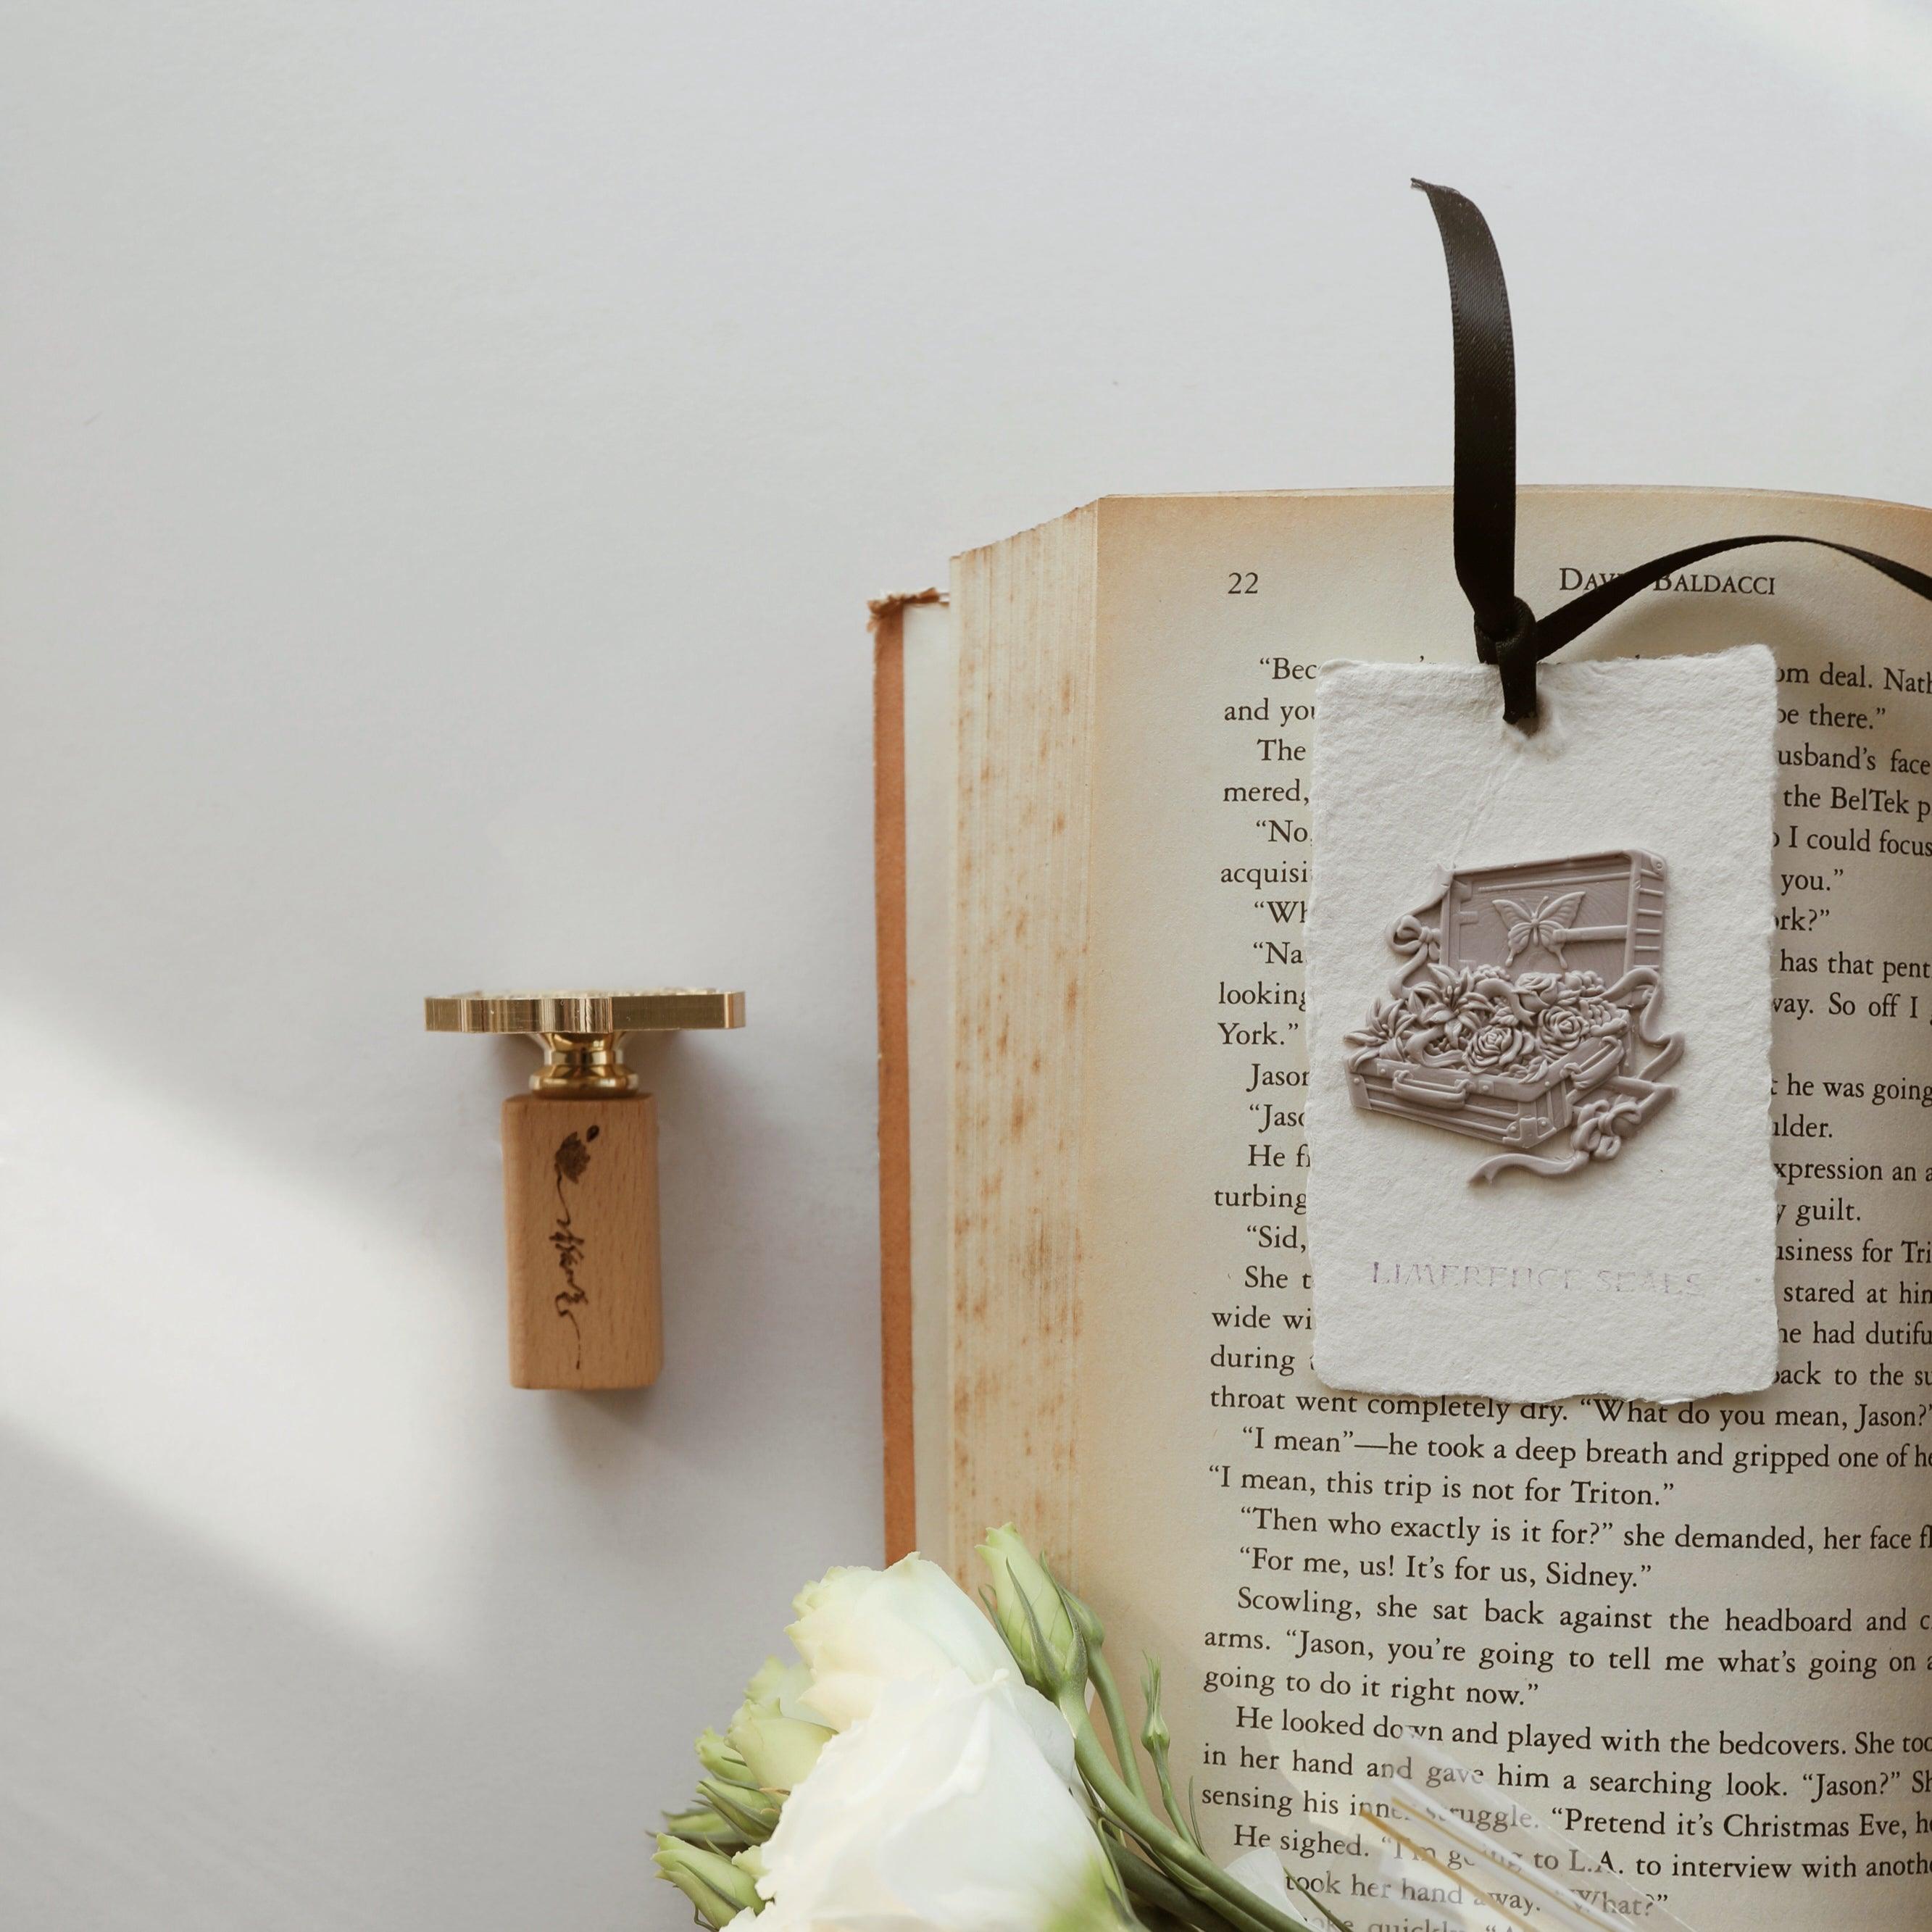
[(581, 1219)]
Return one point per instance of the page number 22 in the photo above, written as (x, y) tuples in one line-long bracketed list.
[(1242, 583)]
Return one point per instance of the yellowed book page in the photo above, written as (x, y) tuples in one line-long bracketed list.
[(932, 780), (1698, 1640), (1023, 626)]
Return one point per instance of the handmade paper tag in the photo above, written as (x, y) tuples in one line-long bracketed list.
[(1539, 982)]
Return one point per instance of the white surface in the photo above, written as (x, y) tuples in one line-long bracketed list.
[(374, 380), (1648, 1275)]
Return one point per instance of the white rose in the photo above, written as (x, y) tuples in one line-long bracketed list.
[(860, 1629), (940, 1809)]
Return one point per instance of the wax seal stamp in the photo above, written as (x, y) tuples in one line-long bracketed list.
[(581, 1180), (1522, 1010)]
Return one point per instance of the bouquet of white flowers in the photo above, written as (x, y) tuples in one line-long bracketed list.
[(922, 1764)]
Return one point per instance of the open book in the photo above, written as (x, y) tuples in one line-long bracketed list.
[(1699, 1639)]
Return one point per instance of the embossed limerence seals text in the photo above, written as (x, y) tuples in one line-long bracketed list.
[(1523, 1009)]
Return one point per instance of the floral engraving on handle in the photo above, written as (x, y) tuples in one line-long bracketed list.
[(1469, 1038), (569, 1164)]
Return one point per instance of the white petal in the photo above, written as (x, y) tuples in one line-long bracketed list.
[(939, 1810), (859, 1629), (1260, 1870)]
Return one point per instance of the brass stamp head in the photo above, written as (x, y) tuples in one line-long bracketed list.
[(582, 1034)]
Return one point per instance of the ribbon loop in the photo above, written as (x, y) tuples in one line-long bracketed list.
[(1484, 348), (1515, 659), (1509, 634), (1522, 626)]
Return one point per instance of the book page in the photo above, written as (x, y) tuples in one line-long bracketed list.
[(931, 771), (1022, 615), (1697, 1640)]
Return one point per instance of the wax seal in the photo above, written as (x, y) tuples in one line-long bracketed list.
[(580, 1179), (1522, 1010)]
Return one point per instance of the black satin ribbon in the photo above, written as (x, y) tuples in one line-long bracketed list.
[(1509, 634)]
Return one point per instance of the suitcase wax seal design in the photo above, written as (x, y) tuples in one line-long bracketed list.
[(1523, 1010)]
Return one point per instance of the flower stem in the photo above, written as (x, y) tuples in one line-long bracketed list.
[(1228, 1897), (1149, 1885), (1339, 1924), (1108, 1692), (1167, 1798)]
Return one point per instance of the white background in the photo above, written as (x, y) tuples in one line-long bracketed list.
[(446, 451)]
